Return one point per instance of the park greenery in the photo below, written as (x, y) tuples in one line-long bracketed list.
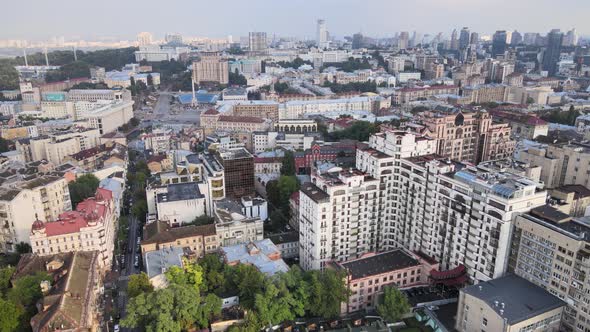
[(193, 297), (367, 86), (236, 78), (350, 65), (8, 77), (279, 192), (137, 179), (84, 187), (359, 130), (562, 117), (296, 63)]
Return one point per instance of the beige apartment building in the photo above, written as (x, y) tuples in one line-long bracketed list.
[(468, 136), (56, 147), (213, 121), (552, 250), (200, 240), (91, 227), (487, 93), (260, 109), (211, 68), (561, 164), (508, 304), (406, 95), (41, 197)]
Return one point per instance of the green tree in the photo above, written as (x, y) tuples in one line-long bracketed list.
[(5, 275), (23, 248), (203, 220), (213, 276), (394, 306), (173, 309), (248, 281), (252, 323), (236, 78), (328, 290), (8, 77), (150, 80), (191, 275), (9, 315), (84, 187), (275, 305), (139, 284), (139, 209), (288, 166), (4, 145)]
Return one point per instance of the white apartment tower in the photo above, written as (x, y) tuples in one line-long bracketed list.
[(322, 34)]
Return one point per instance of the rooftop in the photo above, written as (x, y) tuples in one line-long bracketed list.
[(314, 192), (514, 298), (161, 232), (158, 261), (380, 263), (180, 192), (263, 254)]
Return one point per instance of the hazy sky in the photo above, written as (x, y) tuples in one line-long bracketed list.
[(90, 19)]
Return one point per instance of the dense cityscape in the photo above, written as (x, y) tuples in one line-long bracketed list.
[(423, 181)]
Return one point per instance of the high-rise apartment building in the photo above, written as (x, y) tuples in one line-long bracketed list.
[(571, 38), (341, 214), (499, 41), (257, 42), (468, 136), (516, 38), (357, 41), (144, 38), (552, 51), (464, 38), (173, 39), (211, 68), (322, 34), (454, 41), (403, 40), (460, 214), (552, 250)]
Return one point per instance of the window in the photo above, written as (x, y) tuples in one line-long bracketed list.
[(484, 322)]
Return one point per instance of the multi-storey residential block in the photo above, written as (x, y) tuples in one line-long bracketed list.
[(211, 68), (265, 109), (337, 217), (56, 147), (487, 93), (468, 136), (523, 125), (23, 200), (551, 249), (91, 227), (460, 214), (406, 95)]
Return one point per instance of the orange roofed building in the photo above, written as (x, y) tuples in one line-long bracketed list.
[(90, 227)]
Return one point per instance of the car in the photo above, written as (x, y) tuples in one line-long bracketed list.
[(138, 240), (116, 328), (136, 263)]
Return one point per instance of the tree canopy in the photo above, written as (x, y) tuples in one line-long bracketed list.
[(562, 117), (394, 305), (359, 130), (84, 187), (236, 78), (288, 166), (138, 284), (8, 77)]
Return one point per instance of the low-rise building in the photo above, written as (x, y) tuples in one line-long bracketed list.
[(200, 240), (262, 254), (69, 301), (508, 304), (406, 95), (288, 243), (369, 275), (524, 126), (157, 262)]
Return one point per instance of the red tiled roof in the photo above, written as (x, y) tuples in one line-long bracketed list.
[(211, 112), (89, 209), (234, 118)]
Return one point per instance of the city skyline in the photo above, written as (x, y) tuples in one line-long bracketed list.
[(342, 18)]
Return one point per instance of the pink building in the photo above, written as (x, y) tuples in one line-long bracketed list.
[(91, 227), (370, 274)]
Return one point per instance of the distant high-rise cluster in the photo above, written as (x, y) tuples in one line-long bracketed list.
[(144, 38), (322, 34)]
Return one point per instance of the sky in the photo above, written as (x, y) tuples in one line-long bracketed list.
[(123, 19)]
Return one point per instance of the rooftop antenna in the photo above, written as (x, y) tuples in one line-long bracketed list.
[(25, 54), (46, 57)]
